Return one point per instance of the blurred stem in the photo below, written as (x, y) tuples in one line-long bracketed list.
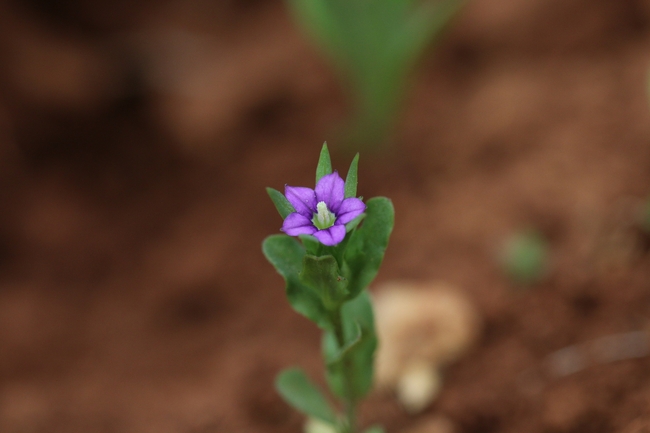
[(349, 424)]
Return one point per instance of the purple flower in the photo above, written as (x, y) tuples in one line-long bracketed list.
[(323, 211)]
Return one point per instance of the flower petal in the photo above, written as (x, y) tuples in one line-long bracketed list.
[(331, 190), (296, 224), (302, 199), (331, 236), (350, 209)]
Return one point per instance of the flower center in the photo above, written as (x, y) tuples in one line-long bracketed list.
[(323, 218)]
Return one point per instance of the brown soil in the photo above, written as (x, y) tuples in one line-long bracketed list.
[(133, 293)]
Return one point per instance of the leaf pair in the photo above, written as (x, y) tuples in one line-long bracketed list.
[(349, 368), (297, 390), (356, 356)]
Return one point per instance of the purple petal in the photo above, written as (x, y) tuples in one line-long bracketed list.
[(302, 199), (350, 209), (296, 224), (331, 236), (331, 190)]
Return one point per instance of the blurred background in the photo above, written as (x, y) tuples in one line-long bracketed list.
[(136, 140)]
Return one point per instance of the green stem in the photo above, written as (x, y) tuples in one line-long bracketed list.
[(349, 425)]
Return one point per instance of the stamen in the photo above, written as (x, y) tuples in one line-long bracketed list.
[(323, 218)]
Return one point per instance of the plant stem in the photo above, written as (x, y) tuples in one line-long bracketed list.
[(349, 425)]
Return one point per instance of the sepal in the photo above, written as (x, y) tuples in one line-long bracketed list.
[(351, 178), (324, 166), (281, 203)]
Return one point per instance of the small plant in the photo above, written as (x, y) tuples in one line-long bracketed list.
[(340, 246), (374, 45), (524, 257)]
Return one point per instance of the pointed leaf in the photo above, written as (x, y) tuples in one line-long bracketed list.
[(351, 178), (323, 276), (286, 255), (324, 166), (367, 245), (281, 203), (297, 390)]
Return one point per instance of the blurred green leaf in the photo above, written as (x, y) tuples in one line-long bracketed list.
[(367, 245), (375, 45), (286, 255), (281, 203), (525, 257), (375, 429), (297, 390)]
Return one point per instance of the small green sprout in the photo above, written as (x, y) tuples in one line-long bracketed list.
[(374, 45), (524, 257)]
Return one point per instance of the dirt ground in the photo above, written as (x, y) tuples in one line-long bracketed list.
[(136, 139)]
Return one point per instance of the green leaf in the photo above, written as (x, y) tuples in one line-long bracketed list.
[(351, 178), (324, 166), (358, 356), (367, 245), (297, 390), (323, 276), (286, 255), (375, 429), (280, 201)]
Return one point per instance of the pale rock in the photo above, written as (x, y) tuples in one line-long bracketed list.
[(422, 327), (419, 384), (313, 425)]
